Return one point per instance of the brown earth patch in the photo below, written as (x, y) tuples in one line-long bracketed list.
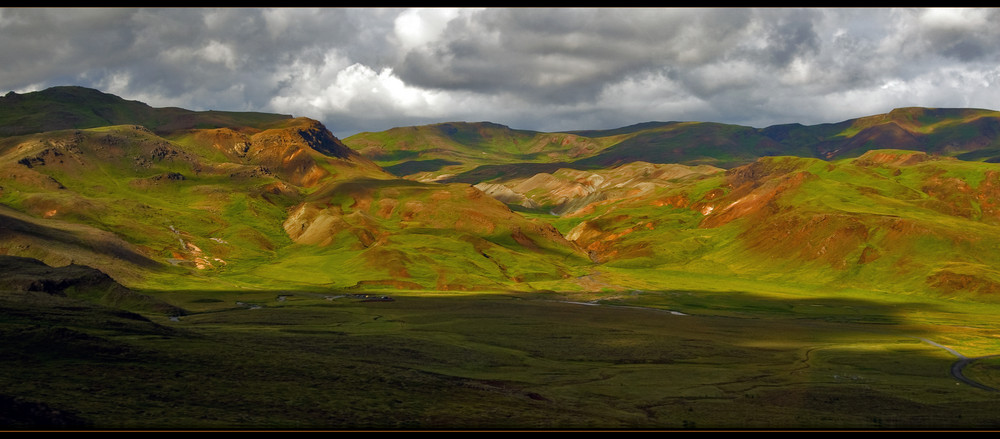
[(524, 240), (950, 196), (951, 282), (988, 197), (825, 237), (288, 152), (362, 202), (869, 254), (476, 222), (672, 201), (754, 174), (473, 194), (441, 195), (279, 188), (411, 209), (894, 159), (386, 206), (392, 261), (231, 143), (602, 246), (751, 198)]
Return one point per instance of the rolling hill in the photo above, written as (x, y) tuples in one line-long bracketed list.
[(245, 198), (971, 134), (434, 152), (74, 107), (167, 268), (891, 220), (152, 195)]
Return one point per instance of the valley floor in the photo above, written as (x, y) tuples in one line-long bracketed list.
[(633, 359)]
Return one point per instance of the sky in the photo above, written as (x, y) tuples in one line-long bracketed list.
[(559, 69)]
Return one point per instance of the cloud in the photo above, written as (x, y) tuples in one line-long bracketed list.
[(368, 69), (417, 27), (334, 87)]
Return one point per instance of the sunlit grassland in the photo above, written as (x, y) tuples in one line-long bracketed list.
[(265, 345), (692, 329), (918, 120), (455, 148)]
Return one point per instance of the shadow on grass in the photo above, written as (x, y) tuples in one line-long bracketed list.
[(415, 166), (308, 359)]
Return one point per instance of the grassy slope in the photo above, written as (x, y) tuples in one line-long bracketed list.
[(207, 202), (432, 150), (69, 107), (738, 327), (482, 152), (150, 193), (877, 223)]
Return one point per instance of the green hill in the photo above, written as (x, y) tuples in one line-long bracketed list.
[(69, 107), (474, 153), (166, 268), (435, 151), (890, 220), (246, 198), (249, 200)]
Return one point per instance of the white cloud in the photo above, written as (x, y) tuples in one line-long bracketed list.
[(334, 88), (218, 52), (952, 18), (418, 27)]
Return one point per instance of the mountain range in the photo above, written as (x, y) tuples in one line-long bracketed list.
[(161, 267), (899, 201)]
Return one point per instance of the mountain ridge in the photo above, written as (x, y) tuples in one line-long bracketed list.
[(246, 270), (248, 196), (973, 133), (75, 107), (271, 196)]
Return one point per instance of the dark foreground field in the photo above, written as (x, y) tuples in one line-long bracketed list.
[(631, 360)]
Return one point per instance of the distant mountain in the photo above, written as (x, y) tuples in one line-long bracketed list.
[(69, 107), (623, 130), (887, 201), (430, 151), (969, 134), (170, 198)]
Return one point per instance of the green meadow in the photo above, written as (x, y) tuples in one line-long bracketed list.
[(740, 354)]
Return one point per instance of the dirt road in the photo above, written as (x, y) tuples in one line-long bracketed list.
[(956, 367)]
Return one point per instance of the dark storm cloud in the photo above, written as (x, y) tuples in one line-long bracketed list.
[(564, 56), (789, 35), (363, 69), (50, 44), (959, 36), (229, 56)]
